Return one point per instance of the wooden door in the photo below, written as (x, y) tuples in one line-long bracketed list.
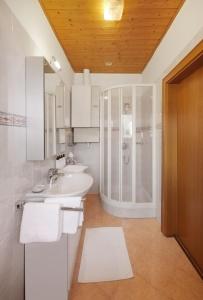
[(190, 165), (182, 176)]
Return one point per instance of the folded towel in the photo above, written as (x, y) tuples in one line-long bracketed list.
[(71, 219), (41, 222)]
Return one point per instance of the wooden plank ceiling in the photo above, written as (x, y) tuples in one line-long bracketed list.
[(89, 41)]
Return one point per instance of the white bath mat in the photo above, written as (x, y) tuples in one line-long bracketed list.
[(105, 256)]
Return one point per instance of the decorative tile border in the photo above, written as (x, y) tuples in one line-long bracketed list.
[(143, 128), (139, 129), (8, 119), (19, 121)]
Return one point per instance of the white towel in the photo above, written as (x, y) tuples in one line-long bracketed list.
[(71, 219), (41, 222)]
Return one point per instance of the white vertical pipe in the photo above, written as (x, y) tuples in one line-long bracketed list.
[(109, 144), (120, 144), (134, 166)]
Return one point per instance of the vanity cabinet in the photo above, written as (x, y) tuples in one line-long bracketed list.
[(62, 106), (49, 268), (40, 111), (85, 106)]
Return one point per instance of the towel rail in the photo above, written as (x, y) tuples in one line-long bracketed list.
[(20, 205)]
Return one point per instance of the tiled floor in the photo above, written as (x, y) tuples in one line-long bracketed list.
[(162, 271)]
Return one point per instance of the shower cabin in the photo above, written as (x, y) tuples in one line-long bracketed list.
[(127, 151)]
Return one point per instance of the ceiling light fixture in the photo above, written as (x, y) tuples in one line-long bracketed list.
[(108, 63), (113, 10), (55, 64)]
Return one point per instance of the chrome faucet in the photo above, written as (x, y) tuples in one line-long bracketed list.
[(52, 180), (51, 173)]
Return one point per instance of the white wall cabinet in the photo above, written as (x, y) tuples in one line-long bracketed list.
[(81, 106), (62, 106), (95, 105), (85, 106), (40, 111), (86, 135)]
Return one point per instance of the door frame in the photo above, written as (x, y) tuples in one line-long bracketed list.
[(169, 138)]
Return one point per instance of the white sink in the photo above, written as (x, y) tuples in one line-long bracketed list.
[(75, 184), (74, 169)]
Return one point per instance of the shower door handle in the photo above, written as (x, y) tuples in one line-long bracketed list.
[(126, 158)]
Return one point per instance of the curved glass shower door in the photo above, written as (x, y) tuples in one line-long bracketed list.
[(127, 150), (115, 143), (144, 147), (126, 141), (105, 144)]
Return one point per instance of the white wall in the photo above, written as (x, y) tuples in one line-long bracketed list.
[(17, 176), (89, 154), (51, 81), (185, 32), (108, 80), (31, 16)]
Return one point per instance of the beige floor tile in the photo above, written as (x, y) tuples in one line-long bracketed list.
[(162, 271)]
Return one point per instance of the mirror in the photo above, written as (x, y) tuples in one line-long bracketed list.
[(51, 82), (42, 85)]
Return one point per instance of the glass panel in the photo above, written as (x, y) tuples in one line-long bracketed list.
[(102, 143), (105, 149), (144, 144), (50, 126), (126, 118), (115, 120)]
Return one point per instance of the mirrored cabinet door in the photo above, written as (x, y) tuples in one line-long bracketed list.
[(40, 110), (50, 125)]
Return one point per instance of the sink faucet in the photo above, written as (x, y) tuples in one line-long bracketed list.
[(52, 180), (53, 175)]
